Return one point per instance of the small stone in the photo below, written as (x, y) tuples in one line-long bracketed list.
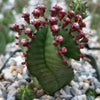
[(58, 98), (74, 84), (81, 97), (81, 84), (75, 91), (7, 74), (98, 90), (11, 98), (10, 88), (12, 67), (80, 79), (19, 70), (4, 94), (90, 98), (98, 98), (15, 84), (57, 94), (67, 97), (97, 84), (1, 99), (22, 82), (67, 90), (19, 76), (1, 76), (46, 97), (85, 86), (0, 93), (39, 93)]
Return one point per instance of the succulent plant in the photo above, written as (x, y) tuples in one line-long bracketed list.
[(48, 44), (25, 93)]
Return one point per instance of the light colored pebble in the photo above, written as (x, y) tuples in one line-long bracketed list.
[(19, 76), (85, 86), (98, 91)]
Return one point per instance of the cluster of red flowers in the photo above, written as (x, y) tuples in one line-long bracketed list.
[(57, 13)]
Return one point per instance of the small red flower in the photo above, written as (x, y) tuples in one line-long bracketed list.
[(52, 21), (53, 12), (44, 23), (66, 21), (59, 39), (74, 27), (61, 14), (26, 15), (28, 32), (16, 28), (71, 14), (55, 29), (58, 8), (25, 42), (42, 9), (36, 13), (36, 23), (78, 18), (82, 24)]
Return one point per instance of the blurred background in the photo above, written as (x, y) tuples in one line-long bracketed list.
[(10, 12)]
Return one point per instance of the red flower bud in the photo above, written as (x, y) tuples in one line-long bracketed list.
[(62, 50), (52, 21), (53, 12), (43, 23), (16, 37), (22, 26), (24, 63), (58, 8), (82, 24), (42, 10), (66, 21), (78, 18), (80, 35), (74, 27), (28, 32), (36, 23), (84, 40), (61, 14), (64, 60), (36, 13), (71, 14), (82, 56), (26, 15), (16, 28), (55, 29), (24, 54), (80, 46), (25, 42), (17, 43), (59, 39)]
